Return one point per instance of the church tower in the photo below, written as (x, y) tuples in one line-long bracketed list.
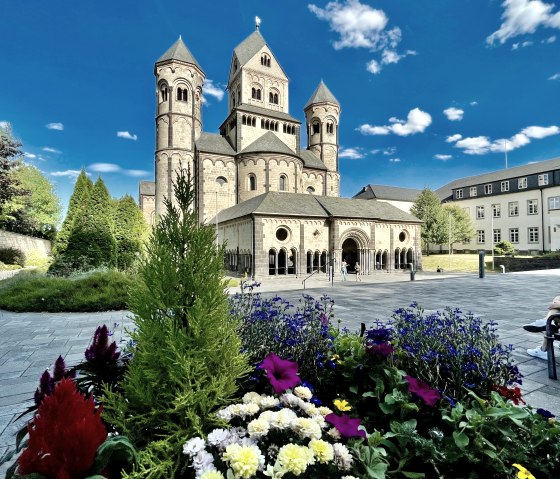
[(179, 80), (322, 113)]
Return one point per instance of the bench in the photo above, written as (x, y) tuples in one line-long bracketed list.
[(550, 335)]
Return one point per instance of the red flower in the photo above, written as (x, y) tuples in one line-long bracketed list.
[(347, 426), (514, 394), (423, 391), (281, 373), (65, 435)]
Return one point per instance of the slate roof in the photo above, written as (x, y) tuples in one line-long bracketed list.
[(505, 174), (266, 112), (214, 143), (179, 51), (276, 203), (268, 143), (384, 192), (249, 47), (321, 95), (148, 188), (310, 160)]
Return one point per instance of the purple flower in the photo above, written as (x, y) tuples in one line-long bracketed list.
[(383, 349), (347, 426), (544, 413), (48, 382), (100, 349), (423, 391), (281, 373), (379, 335)]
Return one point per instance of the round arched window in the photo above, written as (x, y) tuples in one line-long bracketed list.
[(310, 190), (402, 236), (282, 234)]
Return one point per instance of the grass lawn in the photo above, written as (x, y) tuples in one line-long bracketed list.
[(458, 262)]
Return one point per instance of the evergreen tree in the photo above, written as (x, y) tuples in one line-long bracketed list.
[(187, 355), (427, 207), (460, 225), (130, 228), (78, 201), (10, 154)]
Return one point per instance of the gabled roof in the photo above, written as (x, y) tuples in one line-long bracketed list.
[(179, 51), (268, 143), (248, 48), (321, 95), (276, 203), (214, 143), (384, 192)]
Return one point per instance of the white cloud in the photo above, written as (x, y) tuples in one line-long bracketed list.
[(375, 152), (390, 151), (550, 39), (523, 17), (31, 156), (55, 126), (417, 121), (4, 124), (351, 153), (443, 157), (395, 160), (126, 135), (213, 90), (481, 145), (67, 173), (454, 114), (391, 56), (556, 76), (373, 66), (136, 173), (105, 167), (48, 149), (473, 103), (453, 138)]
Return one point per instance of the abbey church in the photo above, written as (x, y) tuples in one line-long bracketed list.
[(276, 205)]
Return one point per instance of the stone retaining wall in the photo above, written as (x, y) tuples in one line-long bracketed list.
[(36, 248), (526, 264)]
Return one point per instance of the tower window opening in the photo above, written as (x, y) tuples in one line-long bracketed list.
[(282, 184), (252, 183), (276, 99), (163, 91), (244, 120), (316, 127), (182, 94), (265, 60), (330, 127), (273, 98), (256, 93)]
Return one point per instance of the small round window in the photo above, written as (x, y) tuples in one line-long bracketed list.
[(402, 236), (282, 234)]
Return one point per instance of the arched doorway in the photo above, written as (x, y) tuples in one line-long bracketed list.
[(403, 259), (350, 253), (292, 262), (397, 258), (309, 262), (324, 261), (316, 261), (385, 260), (410, 256), (272, 261), (282, 262)]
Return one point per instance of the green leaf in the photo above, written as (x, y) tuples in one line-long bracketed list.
[(353, 389), (115, 449), (413, 475), (461, 439), (368, 394), (377, 471)]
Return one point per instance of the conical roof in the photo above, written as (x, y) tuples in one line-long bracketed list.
[(249, 47), (179, 51), (321, 95)]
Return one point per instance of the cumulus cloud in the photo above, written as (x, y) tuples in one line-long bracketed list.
[(351, 153), (417, 121), (31, 156), (550, 39), (395, 160), (443, 157), (453, 138), (55, 126), (213, 90), (4, 124), (481, 145), (48, 149), (67, 173), (454, 114), (359, 25), (523, 17), (556, 76), (113, 168), (126, 135)]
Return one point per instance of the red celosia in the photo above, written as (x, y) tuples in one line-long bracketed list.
[(65, 435), (514, 394)]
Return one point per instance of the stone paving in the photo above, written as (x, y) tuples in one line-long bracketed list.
[(31, 342)]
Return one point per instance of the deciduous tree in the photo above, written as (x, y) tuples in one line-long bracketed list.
[(460, 228), (427, 207)]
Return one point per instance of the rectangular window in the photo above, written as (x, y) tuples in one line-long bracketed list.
[(480, 236), (496, 211), (522, 183), (514, 235), (513, 208), (532, 207), (480, 212), (497, 235), (488, 189), (543, 179), (554, 203), (473, 191), (533, 235), (458, 194), (504, 185)]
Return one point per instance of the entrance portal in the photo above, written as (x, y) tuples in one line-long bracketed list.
[(350, 253)]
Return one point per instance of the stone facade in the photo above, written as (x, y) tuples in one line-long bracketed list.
[(256, 160), (37, 247)]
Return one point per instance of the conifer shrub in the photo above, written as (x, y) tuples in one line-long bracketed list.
[(12, 256), (187, 354)]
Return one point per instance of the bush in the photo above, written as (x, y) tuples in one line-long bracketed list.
[(274, 325), (37, 258), (452, 351), (96, 291), (12, 256), (504, 248)]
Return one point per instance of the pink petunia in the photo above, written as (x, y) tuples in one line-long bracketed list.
[(423, 391), (347, 426), (281, 373)]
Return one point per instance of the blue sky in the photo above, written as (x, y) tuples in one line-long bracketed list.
[(430, 91)]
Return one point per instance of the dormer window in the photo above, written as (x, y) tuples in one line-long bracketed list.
[(163, 93), (265, 60), (182, 94)]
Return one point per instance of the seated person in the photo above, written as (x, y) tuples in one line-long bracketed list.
[(540, 326)]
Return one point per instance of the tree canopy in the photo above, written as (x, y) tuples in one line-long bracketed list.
[(427, 207), (460, 228), (10, 156)]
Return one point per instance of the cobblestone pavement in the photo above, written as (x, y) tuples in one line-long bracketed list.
[(31, 342)]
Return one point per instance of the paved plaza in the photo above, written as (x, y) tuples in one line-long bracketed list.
[(31, 342)]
